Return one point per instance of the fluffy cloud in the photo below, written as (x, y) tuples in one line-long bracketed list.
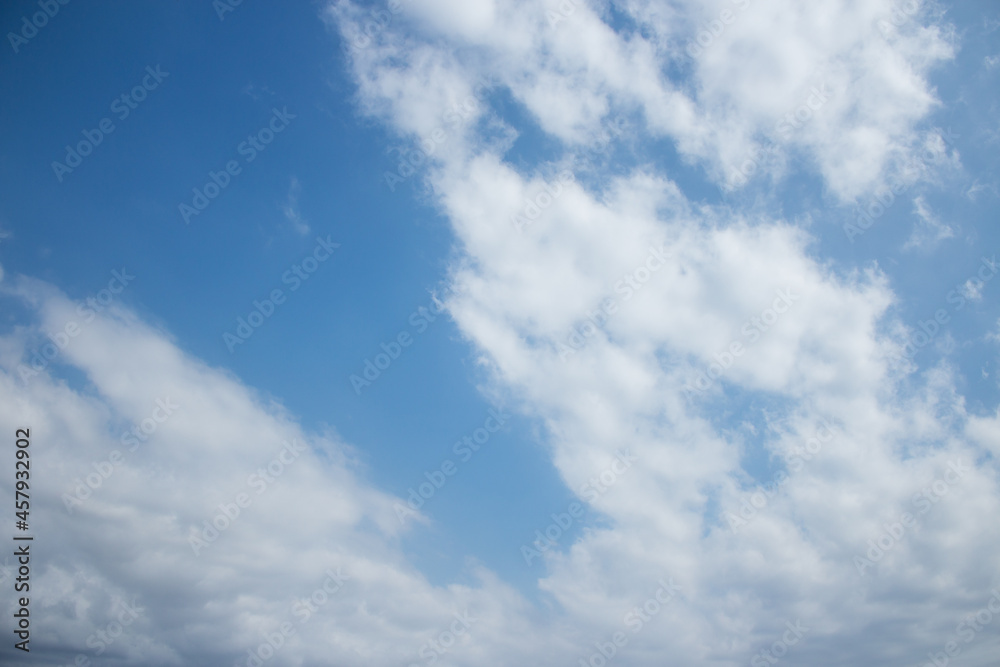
[(792, 488), (842, 89), (129, 463), (588, 329)]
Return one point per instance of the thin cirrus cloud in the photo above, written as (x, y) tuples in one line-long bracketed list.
[(291, 208)]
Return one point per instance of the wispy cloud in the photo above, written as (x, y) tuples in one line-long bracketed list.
[(928, 230), (291, 208)]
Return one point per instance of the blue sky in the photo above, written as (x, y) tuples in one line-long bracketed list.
[(653, 139), (120, 208)]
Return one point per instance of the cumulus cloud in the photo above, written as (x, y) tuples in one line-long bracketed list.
[(583, 323), (847, 524), (834, 89), (169, 486)]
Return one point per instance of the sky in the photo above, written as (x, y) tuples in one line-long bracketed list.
[(474, 333)]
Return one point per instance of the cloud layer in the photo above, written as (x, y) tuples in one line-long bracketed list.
[(799, 486)]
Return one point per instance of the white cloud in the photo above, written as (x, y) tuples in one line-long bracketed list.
[(761, 68), (973, 192), (814, 341), (291, 208), (130, 537), (972, 289), (928, 231), (823, 357)]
